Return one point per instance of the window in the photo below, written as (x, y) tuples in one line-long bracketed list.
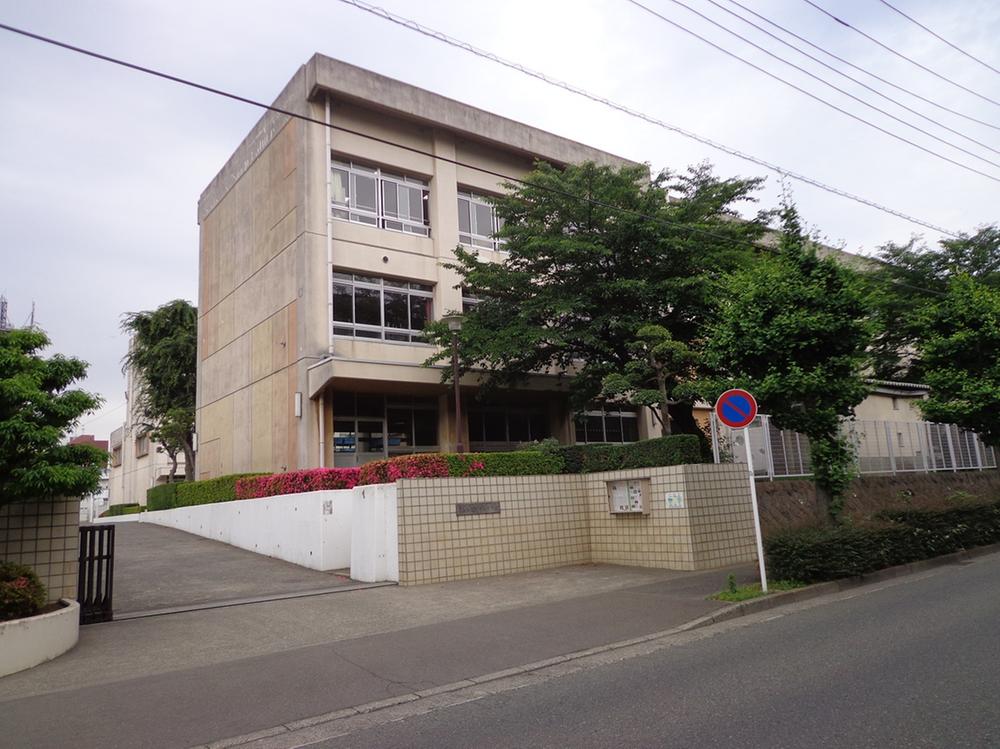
[(367, 195), (469, 300), (370, 427), (895, 403), (116, 456), (381, 308), (607, 426), (504, 428), (142, 445), (478, 222)]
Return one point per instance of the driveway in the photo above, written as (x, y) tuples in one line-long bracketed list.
[(162, 568)]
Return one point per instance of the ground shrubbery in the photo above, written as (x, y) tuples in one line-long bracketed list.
[(130, 508), (187, 493), (21, 592), (892, 537), (293, 482), (677, 449), (438, 465)]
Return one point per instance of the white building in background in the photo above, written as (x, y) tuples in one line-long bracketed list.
[(137, 462)]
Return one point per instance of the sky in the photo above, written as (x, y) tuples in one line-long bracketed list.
[(101, 167)]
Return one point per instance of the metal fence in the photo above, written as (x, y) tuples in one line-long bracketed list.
[(95, 587), (886, 447)]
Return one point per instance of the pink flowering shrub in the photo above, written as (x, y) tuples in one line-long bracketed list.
[(419, 466), (294, 482)]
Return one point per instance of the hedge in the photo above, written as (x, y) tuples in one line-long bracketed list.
[(126, 509), (293, 482), (162, 497), (677, 449), (437, 465), (187, 493), (817, 554)]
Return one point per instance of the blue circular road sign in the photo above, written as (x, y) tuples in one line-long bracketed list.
[(736, 408)]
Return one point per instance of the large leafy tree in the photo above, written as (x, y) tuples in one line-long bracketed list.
[(38, 407), (960, 355), (597, 257), (909, 279), (163, 357), (793, 329)]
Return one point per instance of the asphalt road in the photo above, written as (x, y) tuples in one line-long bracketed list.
[(912, 664)]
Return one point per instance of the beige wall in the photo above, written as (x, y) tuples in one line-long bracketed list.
[(45, 537), (549, 521), (890, 407)]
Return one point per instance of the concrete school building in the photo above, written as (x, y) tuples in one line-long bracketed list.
[(321, 258)]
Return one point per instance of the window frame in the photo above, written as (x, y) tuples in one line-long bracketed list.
[(580, 422), (474, 238), (412, 289), (379, 218)]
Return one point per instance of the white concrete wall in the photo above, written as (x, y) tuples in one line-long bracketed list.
[(25, 643), (312, 529), (375, 534)]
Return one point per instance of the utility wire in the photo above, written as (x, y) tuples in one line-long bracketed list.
[(780, 170), (864, 70), (305, 118), (900, 55), (845, 75), (955, 47), (811, 95)]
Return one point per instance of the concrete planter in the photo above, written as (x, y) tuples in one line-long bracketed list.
[(24, 643)]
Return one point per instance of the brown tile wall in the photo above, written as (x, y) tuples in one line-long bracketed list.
[(45, 536), (550, 521)]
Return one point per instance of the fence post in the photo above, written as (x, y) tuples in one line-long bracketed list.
[(951, 447), (766, 423), (977, 443), (888, 442), (924, 449)]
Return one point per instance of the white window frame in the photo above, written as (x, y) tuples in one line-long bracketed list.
[(475, 237), (345, 211), (410, 288)]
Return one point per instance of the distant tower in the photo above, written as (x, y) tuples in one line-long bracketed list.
[(4, 324)]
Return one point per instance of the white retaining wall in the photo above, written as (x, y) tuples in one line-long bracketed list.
[(312, 529), (24, 643), (375, 534)]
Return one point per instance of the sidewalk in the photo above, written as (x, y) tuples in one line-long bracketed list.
[(194, 677)]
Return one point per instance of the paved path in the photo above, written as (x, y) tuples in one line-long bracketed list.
[(157, 568), (186, 679), (912, 663)]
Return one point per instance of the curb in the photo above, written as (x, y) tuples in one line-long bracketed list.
[(727, 613)]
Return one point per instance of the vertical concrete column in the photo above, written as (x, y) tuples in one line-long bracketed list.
[(444, 223)]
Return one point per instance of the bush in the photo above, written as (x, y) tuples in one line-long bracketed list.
[(436, 465), (902, 536), (161, 497), (293, 482), (126, 509), (677, 449), (21, 592)]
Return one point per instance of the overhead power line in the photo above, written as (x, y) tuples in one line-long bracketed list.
[(811, 95), (864, 85), (900, 55), (867, 72), (933, 33), (780, 170), (305, 118)]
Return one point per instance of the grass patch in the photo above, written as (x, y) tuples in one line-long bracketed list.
[(736, 593)]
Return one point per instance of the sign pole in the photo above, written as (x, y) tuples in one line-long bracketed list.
[(756, 511)]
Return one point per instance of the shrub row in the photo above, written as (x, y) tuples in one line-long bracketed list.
[(293, 482), (21, 592), (901, 536), (187, 493), (677, 449), (126, 509), (435, 465)]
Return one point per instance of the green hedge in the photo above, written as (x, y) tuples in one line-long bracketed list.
[(817, 554), (677, 449), (517, 463), (187, 493), (162, 497), (126, 509)]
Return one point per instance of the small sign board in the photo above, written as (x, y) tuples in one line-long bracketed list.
[(675, 501), (627, 496), (736, 408), (465, 509)]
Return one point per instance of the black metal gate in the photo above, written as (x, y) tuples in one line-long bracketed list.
[(97, 573)]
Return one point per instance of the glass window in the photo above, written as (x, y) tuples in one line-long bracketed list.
[(425, 427), (504, 428), (344, 437), (370, 196), (386, 309), (478, 223), (607, 426)]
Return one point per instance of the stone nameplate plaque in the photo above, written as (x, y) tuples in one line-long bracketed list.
[(463, 509)]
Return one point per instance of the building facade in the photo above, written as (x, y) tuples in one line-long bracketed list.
[(322, 253)]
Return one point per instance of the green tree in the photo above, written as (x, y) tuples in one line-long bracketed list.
[(163, 357), (793, 330), (594, 255), (909, 279), (38, 407), (960, 353)]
